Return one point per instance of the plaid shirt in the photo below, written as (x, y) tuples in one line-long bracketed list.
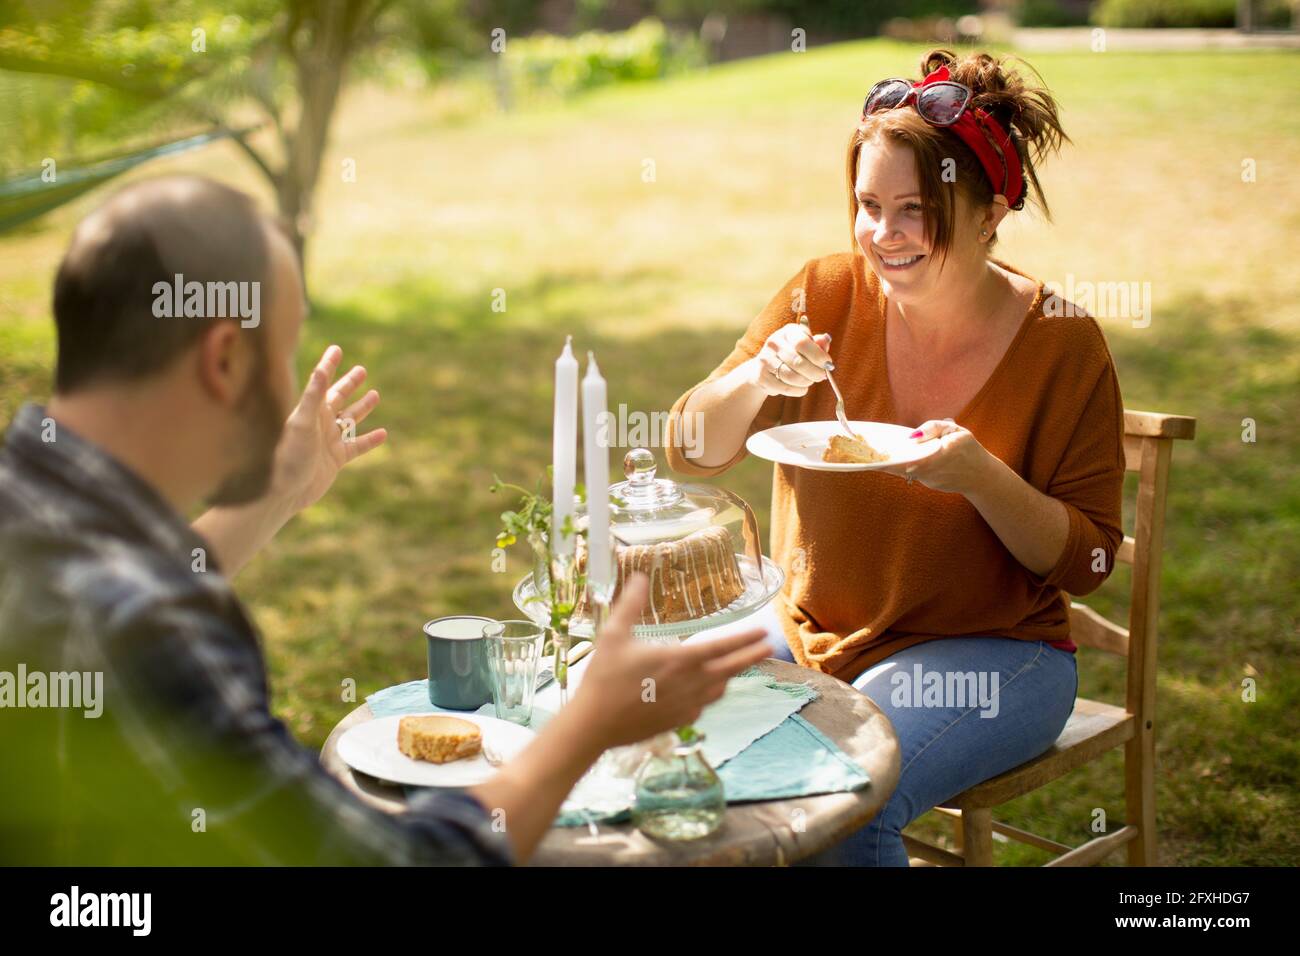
[(186, 763)]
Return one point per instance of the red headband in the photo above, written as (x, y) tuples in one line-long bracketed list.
[(969, 131)]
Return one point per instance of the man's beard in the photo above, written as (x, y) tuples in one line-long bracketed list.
[(263, 421)]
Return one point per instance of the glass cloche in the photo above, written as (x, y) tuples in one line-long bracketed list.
[(698, 544)]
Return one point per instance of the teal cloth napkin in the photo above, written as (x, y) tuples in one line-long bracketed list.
[(754, 704), (795, 760), (413, 698)]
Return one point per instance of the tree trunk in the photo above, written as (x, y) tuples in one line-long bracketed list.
[(321, 57)]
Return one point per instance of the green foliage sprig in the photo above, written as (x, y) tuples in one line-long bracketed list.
[(532, 514), (531, 520)]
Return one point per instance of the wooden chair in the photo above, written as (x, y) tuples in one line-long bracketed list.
[(1094, 728)]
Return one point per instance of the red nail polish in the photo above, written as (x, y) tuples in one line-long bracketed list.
[(915, 434)]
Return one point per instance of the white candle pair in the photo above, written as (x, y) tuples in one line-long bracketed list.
[(564, 451)]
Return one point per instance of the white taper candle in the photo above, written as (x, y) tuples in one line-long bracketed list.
[(564, 447), (596, 471)]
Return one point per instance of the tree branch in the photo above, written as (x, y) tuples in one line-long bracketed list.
[(240, 138), (258, 160), (80, 70)]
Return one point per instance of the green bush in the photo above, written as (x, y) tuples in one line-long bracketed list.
[(1165, 13), (547, 65), (1049, 13), (860, 17)]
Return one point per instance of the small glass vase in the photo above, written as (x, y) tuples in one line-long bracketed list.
[(541, 562), (565, 582), (678, 795)]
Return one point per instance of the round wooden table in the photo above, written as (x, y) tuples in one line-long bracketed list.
[(766, 833)]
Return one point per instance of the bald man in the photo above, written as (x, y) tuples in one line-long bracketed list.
[(134, 712)]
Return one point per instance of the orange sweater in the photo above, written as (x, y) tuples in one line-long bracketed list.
[(874, 565)]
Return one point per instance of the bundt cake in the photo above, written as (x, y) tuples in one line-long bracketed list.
[(690, 577)]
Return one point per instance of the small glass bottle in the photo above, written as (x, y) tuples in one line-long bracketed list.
[(678, 795), (541, 562)]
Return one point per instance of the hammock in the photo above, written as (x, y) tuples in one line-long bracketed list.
[(28, 196)]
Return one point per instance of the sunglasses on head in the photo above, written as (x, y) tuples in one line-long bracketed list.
[(939, 103)]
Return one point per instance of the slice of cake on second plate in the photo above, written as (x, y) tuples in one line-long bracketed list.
[(855, 450)]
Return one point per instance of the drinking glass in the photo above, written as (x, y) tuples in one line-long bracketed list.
[(514, 649)]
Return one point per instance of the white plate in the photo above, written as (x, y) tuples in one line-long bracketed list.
[(802, 443), (372, 748)]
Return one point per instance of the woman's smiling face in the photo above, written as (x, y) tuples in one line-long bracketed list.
[(890, 224)]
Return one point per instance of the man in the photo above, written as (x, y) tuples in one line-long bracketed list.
[(178, 309)]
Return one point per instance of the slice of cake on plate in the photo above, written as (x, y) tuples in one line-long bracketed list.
[(438, 739), (854, 451)]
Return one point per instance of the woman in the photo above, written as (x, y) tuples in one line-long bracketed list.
[(939, 589)]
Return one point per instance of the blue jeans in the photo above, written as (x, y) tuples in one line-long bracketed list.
[(1026, 688)]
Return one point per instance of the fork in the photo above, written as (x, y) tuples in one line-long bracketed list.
[(828, 368)]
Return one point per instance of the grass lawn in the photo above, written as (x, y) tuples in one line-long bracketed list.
[(661, 277)]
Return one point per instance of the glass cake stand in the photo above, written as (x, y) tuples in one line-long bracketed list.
[(761, 585)]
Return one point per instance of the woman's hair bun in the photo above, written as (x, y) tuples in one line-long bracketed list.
[(1028, 112)]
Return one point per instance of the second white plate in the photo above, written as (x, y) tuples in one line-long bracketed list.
[(802, 443), (372, 748)]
